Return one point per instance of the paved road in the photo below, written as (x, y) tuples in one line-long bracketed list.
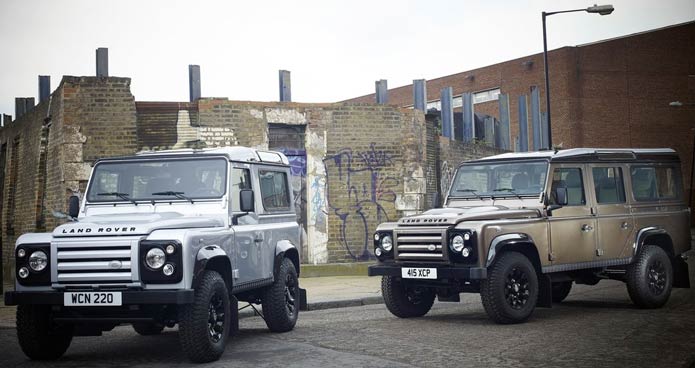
[(596, 327)]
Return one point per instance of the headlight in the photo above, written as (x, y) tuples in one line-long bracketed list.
[(457, 243), (38, 260), (387, 243), (155, 258)]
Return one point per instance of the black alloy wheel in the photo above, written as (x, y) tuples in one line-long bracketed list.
[(216, 315), (516, 288)]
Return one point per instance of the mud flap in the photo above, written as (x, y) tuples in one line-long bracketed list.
[(545, 291), (234, 308), (681, 276), (303, 304)]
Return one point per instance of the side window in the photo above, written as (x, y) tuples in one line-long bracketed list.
[(570, 178), (608, 185), (241, 179), (274, 190), (654, 183)]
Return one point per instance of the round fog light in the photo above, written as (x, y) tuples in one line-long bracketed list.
[(466, 252), (376, 236), (168, 269), (457, 243), (377, 251), (38, 260), (21, 253), (23, 272), (155, 258), (170, 249)]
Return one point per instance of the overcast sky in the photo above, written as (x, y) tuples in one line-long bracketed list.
[(334, 49)]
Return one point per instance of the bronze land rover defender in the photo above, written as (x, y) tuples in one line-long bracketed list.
[(520, 228)]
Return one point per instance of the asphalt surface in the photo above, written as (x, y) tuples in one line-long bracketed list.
[(597, 326)]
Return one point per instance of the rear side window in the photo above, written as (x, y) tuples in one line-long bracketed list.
[(654, 183), (274, 190), (608, 185)]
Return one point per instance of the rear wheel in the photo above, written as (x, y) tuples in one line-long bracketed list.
[(406, 301), (510, 292), (204, 325), (650, 278), (147, 329), (281, 300), (38, 337), (561, 290)]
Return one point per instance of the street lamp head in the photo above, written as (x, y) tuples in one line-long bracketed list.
[(601, 9)]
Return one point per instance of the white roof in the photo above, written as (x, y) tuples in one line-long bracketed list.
[(576, 152), (235, 153)]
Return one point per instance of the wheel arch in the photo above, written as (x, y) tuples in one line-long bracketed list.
[(654, 236), (213, 258), (285, 249)]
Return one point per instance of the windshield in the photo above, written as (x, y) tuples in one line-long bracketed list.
[(513, 179), (179, 179)]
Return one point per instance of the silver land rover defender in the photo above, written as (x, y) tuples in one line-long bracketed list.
[(164, 238), (520, 228)]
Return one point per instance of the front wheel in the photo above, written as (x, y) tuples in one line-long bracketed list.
[(650, 278), (281, 299), (510, 292), (204, 325), (38, 337), (405, 301)]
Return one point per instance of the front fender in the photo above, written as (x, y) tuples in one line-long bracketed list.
[(504, 240), (285, 249), (204, 256)]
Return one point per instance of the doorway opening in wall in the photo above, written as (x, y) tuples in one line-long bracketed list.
[(289, 139)]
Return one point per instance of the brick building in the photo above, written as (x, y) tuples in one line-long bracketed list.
[(354, 165), (611, 93)]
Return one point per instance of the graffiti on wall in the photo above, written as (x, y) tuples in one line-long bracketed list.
[(446, 178), (358, 191)]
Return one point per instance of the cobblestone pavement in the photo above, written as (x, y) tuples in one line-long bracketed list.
[(596, 327)]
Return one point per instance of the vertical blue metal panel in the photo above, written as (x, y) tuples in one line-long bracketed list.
[(536, 118), (503, 134), (545, 137), (468, 118), (382, 92), (523, 125), (194, 82), (102, 62), (29, 104), (285, 86), (420, 94), (447, 112), (44, 87)]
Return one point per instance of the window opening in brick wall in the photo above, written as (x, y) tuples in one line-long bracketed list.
[(285, 136)]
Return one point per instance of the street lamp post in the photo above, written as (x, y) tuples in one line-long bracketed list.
[(600, 9)]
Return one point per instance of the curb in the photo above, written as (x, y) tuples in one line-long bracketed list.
[(334, 269)]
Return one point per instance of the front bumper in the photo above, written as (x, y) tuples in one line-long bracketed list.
[(129, 297), (459, 273)]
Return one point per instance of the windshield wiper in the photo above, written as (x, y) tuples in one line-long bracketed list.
[(510, 190), (466, 190), (178, 195), (123, 196)]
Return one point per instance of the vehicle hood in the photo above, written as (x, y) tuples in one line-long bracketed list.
[(133, 224), (452, 216)]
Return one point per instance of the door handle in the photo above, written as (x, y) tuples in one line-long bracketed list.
[(587, 228), (258, 239), (625, 226)]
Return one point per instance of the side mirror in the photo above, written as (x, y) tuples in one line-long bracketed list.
[(74, 206), (246, 200), (561, 196)]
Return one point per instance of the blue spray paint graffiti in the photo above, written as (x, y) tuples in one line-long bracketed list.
[(357, 192)]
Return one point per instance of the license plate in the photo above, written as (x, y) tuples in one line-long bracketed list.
[(419, 273), (92, 298)]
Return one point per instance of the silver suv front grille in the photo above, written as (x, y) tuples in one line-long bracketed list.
[(94, 261), (420, 244)]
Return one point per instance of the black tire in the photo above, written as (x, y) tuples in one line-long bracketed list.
[(403, 301), (510, 292), (148, 329), (281, 299), (561, 290), (204, 324), (38, 337), (650, 278)]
